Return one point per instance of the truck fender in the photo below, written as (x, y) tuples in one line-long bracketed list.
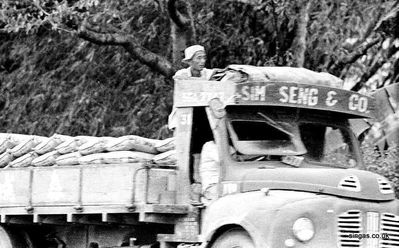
[(14, 237), (226, 224)]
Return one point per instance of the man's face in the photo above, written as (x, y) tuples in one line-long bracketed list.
[(198, 61)]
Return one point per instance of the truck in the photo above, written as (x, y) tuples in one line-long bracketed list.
[(290, 174)]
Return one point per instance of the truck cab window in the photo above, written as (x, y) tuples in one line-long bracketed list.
[(327, 144), (261, 135), (319, 140), (257, 130)]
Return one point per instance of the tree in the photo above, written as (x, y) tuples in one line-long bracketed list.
[(114, 23), (340, 32)]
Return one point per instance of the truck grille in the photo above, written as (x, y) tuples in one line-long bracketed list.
[(349, 223), (390, 226), (354, 222)]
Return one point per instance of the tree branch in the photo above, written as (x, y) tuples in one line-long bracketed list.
[(369, 31), (37, 4), (152, 60), (374, 68), (355, 55), (191, 20), (388, 21), (276, 28), (382, 26), (102, 38), (299, 44), (395, 72), (182, 30), (177, 18)]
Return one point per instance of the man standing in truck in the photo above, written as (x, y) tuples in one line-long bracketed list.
[(195, 57)]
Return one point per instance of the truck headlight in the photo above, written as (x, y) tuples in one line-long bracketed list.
[(303, 229)]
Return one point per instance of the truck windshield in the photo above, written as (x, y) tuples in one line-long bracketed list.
[(284, 135)]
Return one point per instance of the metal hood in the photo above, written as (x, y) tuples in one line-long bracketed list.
[(352, 183)]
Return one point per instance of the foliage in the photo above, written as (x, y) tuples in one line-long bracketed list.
[(385, 163), (140, 18), (55, 83)]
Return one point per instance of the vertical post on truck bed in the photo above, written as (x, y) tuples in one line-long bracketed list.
[(183, 140)]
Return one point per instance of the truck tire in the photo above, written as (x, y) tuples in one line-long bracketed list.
[(14, 239), (234, 238)]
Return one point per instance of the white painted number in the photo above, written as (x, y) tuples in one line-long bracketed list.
[(185, 119)]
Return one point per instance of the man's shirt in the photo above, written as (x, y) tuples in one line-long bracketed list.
[(206, 74)]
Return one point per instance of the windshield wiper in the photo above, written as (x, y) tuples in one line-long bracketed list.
[(274, 124)]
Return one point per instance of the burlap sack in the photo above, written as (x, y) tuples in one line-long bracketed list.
[(5, 158), (23, 161), (69, 146), (68, 159), (62, 137), (6, 143), (120, 144), (166, 158), (93, 146), (142, 144), (48, 145), (21, 138), (96, 158), (165, 145), (47, 159), (126, 157), (84, 138), (24, 147)]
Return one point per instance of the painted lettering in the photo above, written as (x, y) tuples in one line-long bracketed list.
[(313, 98), (303, 95), (245, 93), (358, 103), (330, 101), (201, 97), (283, 93), (363, 104), (352, 102), (259, 93), (293, 95)]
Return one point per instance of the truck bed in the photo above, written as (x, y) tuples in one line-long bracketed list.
[(101, 192)]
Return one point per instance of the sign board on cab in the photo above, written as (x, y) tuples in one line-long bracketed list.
[(304, 96), (269, 93)]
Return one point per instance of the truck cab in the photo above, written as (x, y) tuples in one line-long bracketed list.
[(290, 170)]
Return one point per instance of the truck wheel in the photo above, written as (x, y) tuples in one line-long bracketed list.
[(234, 238), (14, 239)]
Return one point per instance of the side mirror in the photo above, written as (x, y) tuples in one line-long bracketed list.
[(217, 108)]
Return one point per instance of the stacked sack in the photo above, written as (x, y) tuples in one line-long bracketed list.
[(18, 150)]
